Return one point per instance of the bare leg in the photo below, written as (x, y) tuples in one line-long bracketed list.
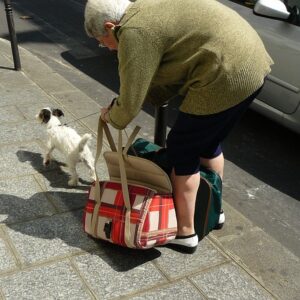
[(216, 164), (185, 192)]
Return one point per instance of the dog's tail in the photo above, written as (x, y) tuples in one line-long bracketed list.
[(84, 139)]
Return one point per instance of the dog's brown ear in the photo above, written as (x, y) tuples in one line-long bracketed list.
[(45, 115), (57, 112)]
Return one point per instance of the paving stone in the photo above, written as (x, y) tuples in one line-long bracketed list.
[(92, 122), (20, 132), (176, 264), (273, 264), (77, 102), (7, 262), (57, 281), (14, 80), (22, 159), (5, 64), (64, 197), (32, 107), (229, 282), (116, 272), (21, 199), (236, 225), (10, 113), (49, 238), (53, 82), (68, 119), (181, 290), (19, 95)]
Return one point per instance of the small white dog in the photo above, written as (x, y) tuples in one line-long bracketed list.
[(68, 142)]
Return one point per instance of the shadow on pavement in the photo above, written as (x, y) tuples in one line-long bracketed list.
[(123, 259), (58, 178), (34, 217), (67, 227)]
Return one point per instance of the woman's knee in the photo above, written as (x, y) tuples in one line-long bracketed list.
[(216, 164)]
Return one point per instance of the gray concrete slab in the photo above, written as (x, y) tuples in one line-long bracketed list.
[(21, 199), (20, 132), (114, 273), (47, 239), (236, 225), (12, 80), (10, 113), (22, 159), (53, 83), (77, 102), (179, 290), (275, 266), (273, 210), (42, 75), (55, 281), (63, 197), (232, 284), (26, 96), (175, 265), (7, 264), (5, 64)]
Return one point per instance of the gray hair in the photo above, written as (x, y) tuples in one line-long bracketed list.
[(97, 12)]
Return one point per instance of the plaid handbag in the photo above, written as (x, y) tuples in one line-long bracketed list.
[(135, 207)]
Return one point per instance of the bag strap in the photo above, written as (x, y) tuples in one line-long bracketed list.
[(109, 137), (131, 138), (124, 190), (102, 125)]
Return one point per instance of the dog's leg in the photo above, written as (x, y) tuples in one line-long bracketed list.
[(89, 162), (73, 181), (47, 157)]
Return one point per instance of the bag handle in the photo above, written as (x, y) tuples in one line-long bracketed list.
[(125, 191), (131, 138), (121, 152)]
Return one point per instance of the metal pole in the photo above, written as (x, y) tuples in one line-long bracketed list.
[(12, 34), (161, 119)]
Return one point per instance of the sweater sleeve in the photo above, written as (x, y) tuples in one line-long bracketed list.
[(139, 56)]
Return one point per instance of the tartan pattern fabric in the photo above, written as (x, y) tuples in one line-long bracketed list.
[(152, 219)]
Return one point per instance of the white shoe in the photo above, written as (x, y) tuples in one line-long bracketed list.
[(221, 220), (185, 244)]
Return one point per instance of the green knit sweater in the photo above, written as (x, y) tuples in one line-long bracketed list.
[(199, 49)]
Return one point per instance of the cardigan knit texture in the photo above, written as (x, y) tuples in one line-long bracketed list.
[(199, 49)]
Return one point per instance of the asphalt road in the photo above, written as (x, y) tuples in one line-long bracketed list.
[(262, 177)]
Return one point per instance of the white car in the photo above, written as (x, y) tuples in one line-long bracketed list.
[(278, 24)]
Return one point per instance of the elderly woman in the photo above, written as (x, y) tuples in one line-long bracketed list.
[(199, 49)]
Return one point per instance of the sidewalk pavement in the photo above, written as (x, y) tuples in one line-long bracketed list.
[(44, 252)]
